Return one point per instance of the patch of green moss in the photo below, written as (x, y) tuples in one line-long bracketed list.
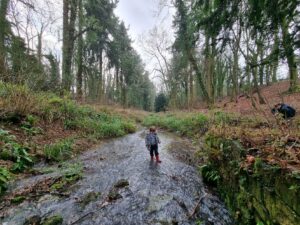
[(263, 196), (54, 220), (121, 183), (18, 199), (88, 198)]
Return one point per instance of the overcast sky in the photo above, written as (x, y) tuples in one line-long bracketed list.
[(141, 16)]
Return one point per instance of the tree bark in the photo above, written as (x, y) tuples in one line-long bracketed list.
[(261, 67), (79, 52), (290, 55), (69, 18), (199, 76), (3, 32), (191, 79), (235, 75), (275, 59), (255, 82), (100, 77)]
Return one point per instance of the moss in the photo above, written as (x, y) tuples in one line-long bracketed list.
[(114, 195), (88, 198), (121, 183), (65, 181), (18, 199), (33, 220), (54, 220), (262, 196)]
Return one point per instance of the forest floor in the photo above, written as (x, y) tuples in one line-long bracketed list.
[(263, 135), (276, 93)]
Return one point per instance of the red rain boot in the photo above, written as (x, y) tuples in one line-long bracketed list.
[(157, 159), (152, 158)]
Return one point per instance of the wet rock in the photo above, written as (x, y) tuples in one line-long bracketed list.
[(121, 183), (113, 195), (54, 220), (34, 220)]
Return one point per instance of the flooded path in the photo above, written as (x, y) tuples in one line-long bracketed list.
[(130, 190)]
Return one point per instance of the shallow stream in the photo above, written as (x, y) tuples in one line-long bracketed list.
[(168, 193)]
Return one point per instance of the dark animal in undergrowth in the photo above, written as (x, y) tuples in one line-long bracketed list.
[(286, 110)]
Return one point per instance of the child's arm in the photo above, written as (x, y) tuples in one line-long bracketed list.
[(147, 141), (158, 140)]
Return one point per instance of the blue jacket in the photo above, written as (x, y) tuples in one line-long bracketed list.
[(152, 139)]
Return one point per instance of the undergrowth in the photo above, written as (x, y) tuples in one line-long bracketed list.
[(13, 151), (5, 176), (59, 151), (19, 104), (186, 125), (29, 120)]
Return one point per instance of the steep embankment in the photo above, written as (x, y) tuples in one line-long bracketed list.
[(273, 94)]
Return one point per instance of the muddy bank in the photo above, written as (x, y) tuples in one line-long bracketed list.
[(120, 185)]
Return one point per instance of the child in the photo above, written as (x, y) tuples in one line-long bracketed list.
[(152, 142)]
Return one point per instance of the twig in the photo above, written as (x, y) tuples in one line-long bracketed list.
[(196, 207), (91, 212), (87, 214)]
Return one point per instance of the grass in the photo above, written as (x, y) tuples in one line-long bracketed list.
[(186, 125), (59, 151), (29, 108), (43, 125)]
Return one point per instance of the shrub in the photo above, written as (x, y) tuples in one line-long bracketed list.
[(16, 99), (59, 150), (22, 159), (220, 117), (161, 102), (15, 152), (210, 174)]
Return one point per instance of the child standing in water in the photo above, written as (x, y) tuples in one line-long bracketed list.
[(152, 141)]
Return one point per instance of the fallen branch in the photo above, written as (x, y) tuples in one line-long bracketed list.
[(197, 206)]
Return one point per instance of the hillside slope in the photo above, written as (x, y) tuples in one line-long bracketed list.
[(276, 93)]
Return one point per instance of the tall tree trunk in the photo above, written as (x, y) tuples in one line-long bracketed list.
[(69, 18), (80, 52), (290, 55), (261, 67), (212, 70), (268, 74), (3, 32), (191, 79), (186, 88), (209, 68), (117, 88), (275, 59), (54, 80), (100, 77), (39, 47), (199, 76), (255, 82), (235, 70)]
